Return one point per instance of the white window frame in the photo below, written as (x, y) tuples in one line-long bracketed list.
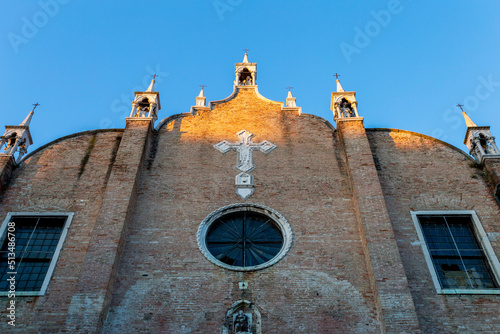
[(481, 236), (53, 261)]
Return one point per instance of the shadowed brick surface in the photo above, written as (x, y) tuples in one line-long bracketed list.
[(49, 181), (420, 173), (383, 259)]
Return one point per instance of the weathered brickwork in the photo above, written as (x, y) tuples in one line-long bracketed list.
[(6, 166), (167, 285), (388, 278), (53, 179), (492, 169), (131, 262), (89, 305), (419, 173)]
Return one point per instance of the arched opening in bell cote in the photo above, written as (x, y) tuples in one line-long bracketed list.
[(245, 78)]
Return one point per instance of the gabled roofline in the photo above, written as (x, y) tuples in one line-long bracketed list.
[(235, 92)]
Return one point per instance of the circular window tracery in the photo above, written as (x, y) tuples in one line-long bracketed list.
[(244, 237)]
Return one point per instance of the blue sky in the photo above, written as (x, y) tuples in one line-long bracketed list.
[(410, 62)]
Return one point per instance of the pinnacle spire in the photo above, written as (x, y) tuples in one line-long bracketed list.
[(28, 118), (151, 87), (245, 57), (202, 91), (290, 100), (339, 86), (468, 121), (201, 100)]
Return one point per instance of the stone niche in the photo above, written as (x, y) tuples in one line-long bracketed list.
[(242, 318)]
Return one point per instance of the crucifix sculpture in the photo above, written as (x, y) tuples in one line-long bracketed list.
[(245, 148)]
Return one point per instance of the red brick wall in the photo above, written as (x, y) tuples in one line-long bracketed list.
[(394, 301), (165, 284), (138, 203), (6, 165), (421, 173), (90, 302), (55, 180)]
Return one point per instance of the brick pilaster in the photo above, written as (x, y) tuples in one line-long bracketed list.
[(388, 279), (7, 164), (492, 165), (90, 304)]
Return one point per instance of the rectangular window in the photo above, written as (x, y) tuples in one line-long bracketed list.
[(457, 251), (30, 245)]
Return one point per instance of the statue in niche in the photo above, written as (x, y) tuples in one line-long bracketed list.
[(241, 323), (346, 108), (11, 141)]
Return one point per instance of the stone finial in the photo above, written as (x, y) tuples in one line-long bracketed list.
[(201, 100), (290, 100)]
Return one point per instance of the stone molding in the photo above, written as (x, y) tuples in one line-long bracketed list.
[(282, 223)]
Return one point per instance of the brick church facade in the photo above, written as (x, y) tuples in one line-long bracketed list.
[(246, 215)]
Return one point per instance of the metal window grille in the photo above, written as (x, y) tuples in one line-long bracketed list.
[(36, 239), (457, 255)]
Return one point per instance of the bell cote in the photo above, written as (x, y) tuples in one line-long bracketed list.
[(146, 104), (479, 141), (344, 104), (245, 73), (17, 138)]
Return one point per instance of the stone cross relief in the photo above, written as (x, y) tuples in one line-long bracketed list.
[(245, 147)]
